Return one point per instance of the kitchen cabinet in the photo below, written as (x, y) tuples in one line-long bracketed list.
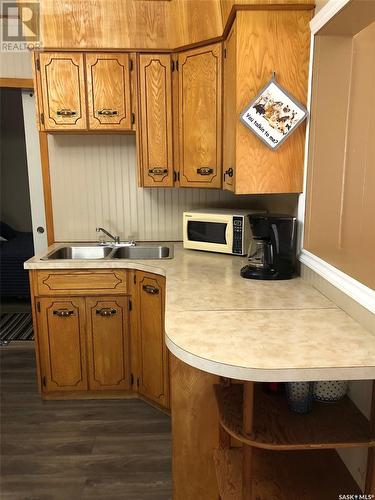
[(108, 91), (260, 43), (100, 333), (62, 85), (200, 116), (62, 343), (83, 92), (153, 358), (155, 120), (108, 343), (84, 343)]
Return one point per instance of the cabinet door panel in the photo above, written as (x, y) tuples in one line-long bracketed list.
[(62, 341), (230, 115), (155, 108), (154, 373), (200, 110), (108, 343), (63, 90), (108, 91)]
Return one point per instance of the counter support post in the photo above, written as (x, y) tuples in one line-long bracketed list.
[(248, 414)]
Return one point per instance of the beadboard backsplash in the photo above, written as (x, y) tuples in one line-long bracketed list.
[(94, 183)]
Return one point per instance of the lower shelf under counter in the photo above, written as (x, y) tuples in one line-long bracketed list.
[(285, 475), (275, 427)]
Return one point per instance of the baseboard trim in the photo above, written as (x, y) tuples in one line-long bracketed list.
[(362, 294)]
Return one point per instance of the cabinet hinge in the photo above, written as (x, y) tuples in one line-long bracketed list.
[(131, 64), (44, 381), (131, 379), (137, 382), (42, 118), (174, 176), (225, 53), (176, 65), (130, 305), (172, 65), (37, 64), (133, 118), (135, 279), (178, 176), (38, 307)]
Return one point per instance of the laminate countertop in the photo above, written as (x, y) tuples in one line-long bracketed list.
[(253, 330)]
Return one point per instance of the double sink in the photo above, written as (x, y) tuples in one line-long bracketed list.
[(108, 252)]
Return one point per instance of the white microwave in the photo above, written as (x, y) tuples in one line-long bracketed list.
[(217, 230)]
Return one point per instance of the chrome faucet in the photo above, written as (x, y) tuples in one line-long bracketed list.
[(116, 239)]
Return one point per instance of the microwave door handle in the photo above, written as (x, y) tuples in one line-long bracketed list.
[(229, 236)]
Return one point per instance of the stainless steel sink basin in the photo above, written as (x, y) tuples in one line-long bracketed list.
[(93, 252), (79, 252), (142, 252)]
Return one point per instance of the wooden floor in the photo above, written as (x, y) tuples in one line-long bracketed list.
[(78, 450)]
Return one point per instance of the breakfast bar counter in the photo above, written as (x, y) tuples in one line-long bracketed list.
[(247, 329)]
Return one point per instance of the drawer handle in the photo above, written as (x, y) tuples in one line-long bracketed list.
[(229, 172), (66, 112), (205, 171), (150, 289), (106, 311), (107, 112), (63, 313), (157, 171)]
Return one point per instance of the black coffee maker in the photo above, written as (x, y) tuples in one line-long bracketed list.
[(272, 248)]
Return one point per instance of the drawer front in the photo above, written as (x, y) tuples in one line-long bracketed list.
[(88, 282)]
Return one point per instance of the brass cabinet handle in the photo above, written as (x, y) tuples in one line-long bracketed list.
[(229, 172), (150, 289), (107, 112), (158, 171), (106, 311), (205, 171), (63, 313), (66, 112)]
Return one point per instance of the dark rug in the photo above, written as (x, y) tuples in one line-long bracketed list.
[(15, 326)]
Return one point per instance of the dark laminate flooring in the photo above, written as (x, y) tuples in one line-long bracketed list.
[(78, 450)]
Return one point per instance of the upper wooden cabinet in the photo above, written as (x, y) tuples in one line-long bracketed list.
[(262, 42), (83, 92), (155, 117), (108, 91), (63, 91), (200, 116)]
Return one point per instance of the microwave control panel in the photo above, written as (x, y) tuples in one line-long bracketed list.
[(237, 235)]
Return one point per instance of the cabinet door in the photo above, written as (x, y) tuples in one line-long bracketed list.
[(108, 91), (62, 344), (153, 363), (155, 110), (200, 113), (230, 115), (63, 90), (108, 343)]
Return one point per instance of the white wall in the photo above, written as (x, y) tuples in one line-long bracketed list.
[(93, 180)]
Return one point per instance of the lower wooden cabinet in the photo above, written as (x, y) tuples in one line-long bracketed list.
[(62, 344), (108, 343), (153, 354), (91, 345)]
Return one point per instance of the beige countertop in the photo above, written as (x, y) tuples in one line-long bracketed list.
[(248, 329)]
